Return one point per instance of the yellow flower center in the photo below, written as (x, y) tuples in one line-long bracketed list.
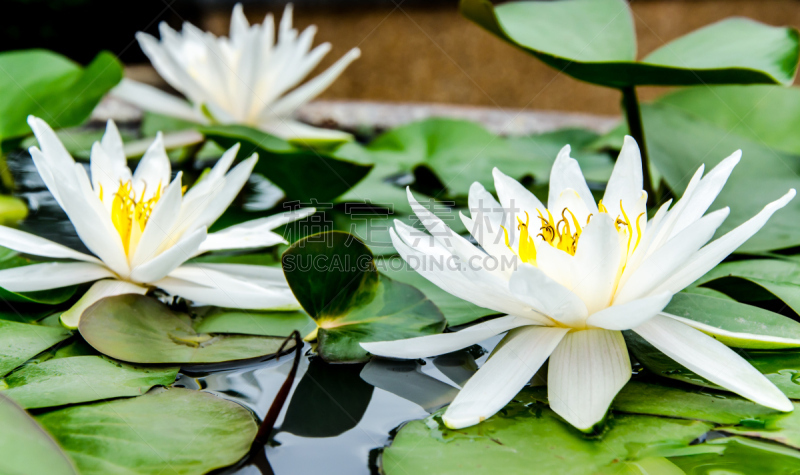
[(130, 213), (565, 233)]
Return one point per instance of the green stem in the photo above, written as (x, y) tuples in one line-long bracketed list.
[(636, 128)]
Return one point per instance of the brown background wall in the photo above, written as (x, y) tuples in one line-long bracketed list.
[(415, 53)]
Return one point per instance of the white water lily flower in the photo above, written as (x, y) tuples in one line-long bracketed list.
[(580, 273), (142, 228), (247, 79)]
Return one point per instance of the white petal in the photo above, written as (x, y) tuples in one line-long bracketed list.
[(433, 345), (158, 267), (625, 184), (532, 286), (154, 170), (311, 89), (566, 173), (712, 360), (157, 234), (263, 276), (712, 254), (586, 371), (739, 339), (516, 200), (27, 243), (662, 263), (629, 315), (253, 234), (233, 183), (500, 379), (52, 160), (100, 289), (155, 100), (707, 191), (51, 275), (291, 129), (597, 263), (223, 290)]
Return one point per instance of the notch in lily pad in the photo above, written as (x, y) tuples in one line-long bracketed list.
[(333, 276)]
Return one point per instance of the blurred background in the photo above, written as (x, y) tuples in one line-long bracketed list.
[(412, 51)]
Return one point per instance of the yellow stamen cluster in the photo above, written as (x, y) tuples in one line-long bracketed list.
[(130, 214), (564, 235)]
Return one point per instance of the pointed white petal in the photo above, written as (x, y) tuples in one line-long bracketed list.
[(712, 254), (597, 263), (154, 169), (158, 267), (516, 200), (289, 129), (311, 89), (254, 233), (662, 263), (503, 375), (433, 345), (707, 191), (27, 243), (263, 276), (158, 233), (51, 275), (586, 372), (712, 360), (532, 286), (155, 100), (566, 173), (100, 289), (222, 199), (625, 184), (629, 315)]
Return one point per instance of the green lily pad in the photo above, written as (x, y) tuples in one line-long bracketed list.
[(527, 434), (177, 430), (52, 87), (20, 342), (77, 379), (735, 324), (691, 402), (334, 278), (779, 277), (254, 322), (785, 430), (740, 456), (455, 310), (780, 367), (764, 114), (28, 448), (303, 174), (679, 143), (140, 329), (595, 41)]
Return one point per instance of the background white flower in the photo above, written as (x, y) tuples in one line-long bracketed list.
[(142, 228), (581, 273), (249, 78)]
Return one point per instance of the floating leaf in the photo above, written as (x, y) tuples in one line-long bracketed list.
[(77, 379), (594, 41), (141, 329), (188, 432), (25, 447), (740, 456), (254, 322), (52, 87), (329, 400), (779, 277), (334, 278), (785, 430), (679, 144), (303, 174), (735, 324), (20, 342), (457, 311), (526, 434)]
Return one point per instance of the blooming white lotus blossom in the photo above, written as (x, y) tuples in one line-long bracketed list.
[(247, 79), (582, 272), (142, 227)]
